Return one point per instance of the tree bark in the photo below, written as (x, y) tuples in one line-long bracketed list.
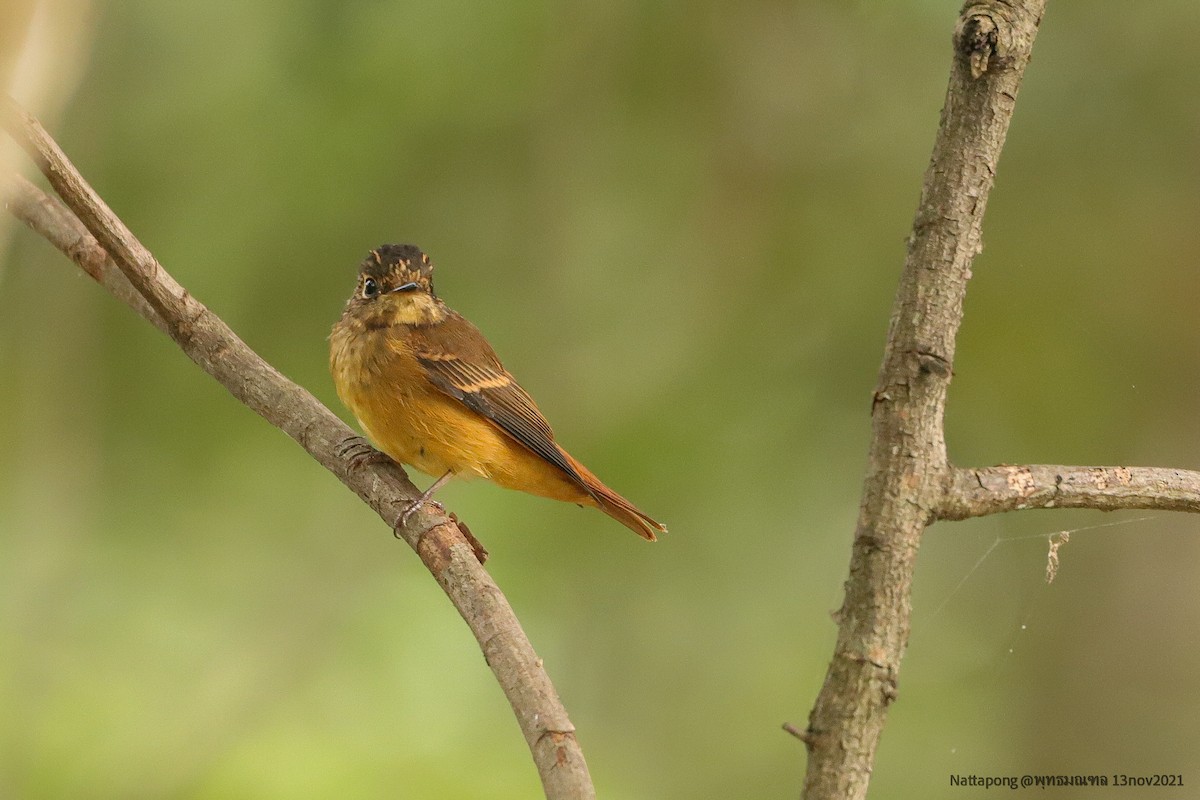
[(908, 473), (992, 490)]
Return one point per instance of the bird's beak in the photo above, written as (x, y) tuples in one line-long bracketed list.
[(407, 287)]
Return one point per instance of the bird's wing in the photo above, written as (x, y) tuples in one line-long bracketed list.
[(460, 362)]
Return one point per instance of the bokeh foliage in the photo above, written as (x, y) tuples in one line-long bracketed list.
[(681, 226)]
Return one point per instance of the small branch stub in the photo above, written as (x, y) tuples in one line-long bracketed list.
[(803, 735)]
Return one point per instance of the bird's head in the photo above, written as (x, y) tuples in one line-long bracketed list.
[(395, 286)]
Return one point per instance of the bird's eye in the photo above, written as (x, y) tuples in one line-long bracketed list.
[(370, 288)]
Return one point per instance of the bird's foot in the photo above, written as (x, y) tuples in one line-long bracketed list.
[(359, 452), (416, 506)]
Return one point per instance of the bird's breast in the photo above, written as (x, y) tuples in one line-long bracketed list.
[(379, 378)]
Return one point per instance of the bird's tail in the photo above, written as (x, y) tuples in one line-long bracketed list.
[(618, 507), (627, 513)]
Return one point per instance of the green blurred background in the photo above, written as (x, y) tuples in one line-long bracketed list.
[(681, 225)]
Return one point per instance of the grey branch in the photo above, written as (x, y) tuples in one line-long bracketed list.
[(104, 248), (56, 224), (907, 470), (992, 490)]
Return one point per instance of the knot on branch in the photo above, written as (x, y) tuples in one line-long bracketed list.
[(186, 326), (434, 544), (930, 363), (886, 677), (561, 743), (983, 36)]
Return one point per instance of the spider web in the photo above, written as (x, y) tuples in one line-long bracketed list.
[(1055, 541), (992, 605)]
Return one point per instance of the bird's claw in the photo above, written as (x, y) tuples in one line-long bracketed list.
[(359, 452), (416, 506)]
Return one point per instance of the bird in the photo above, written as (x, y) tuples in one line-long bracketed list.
[(430, 392)]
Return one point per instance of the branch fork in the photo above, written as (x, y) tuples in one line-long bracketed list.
[(910, 482)]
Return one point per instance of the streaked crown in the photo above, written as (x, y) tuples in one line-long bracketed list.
[(398, 264)]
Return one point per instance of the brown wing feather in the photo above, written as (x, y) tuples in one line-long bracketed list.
[(460, 362)]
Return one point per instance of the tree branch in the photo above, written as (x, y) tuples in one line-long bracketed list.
[(993, 490), (48, 217), (907, 470), (142, 283)]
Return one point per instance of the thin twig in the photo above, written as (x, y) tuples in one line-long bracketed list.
[(994, 490), (385, 488)]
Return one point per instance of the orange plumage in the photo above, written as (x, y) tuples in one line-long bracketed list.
[(430, 392)]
